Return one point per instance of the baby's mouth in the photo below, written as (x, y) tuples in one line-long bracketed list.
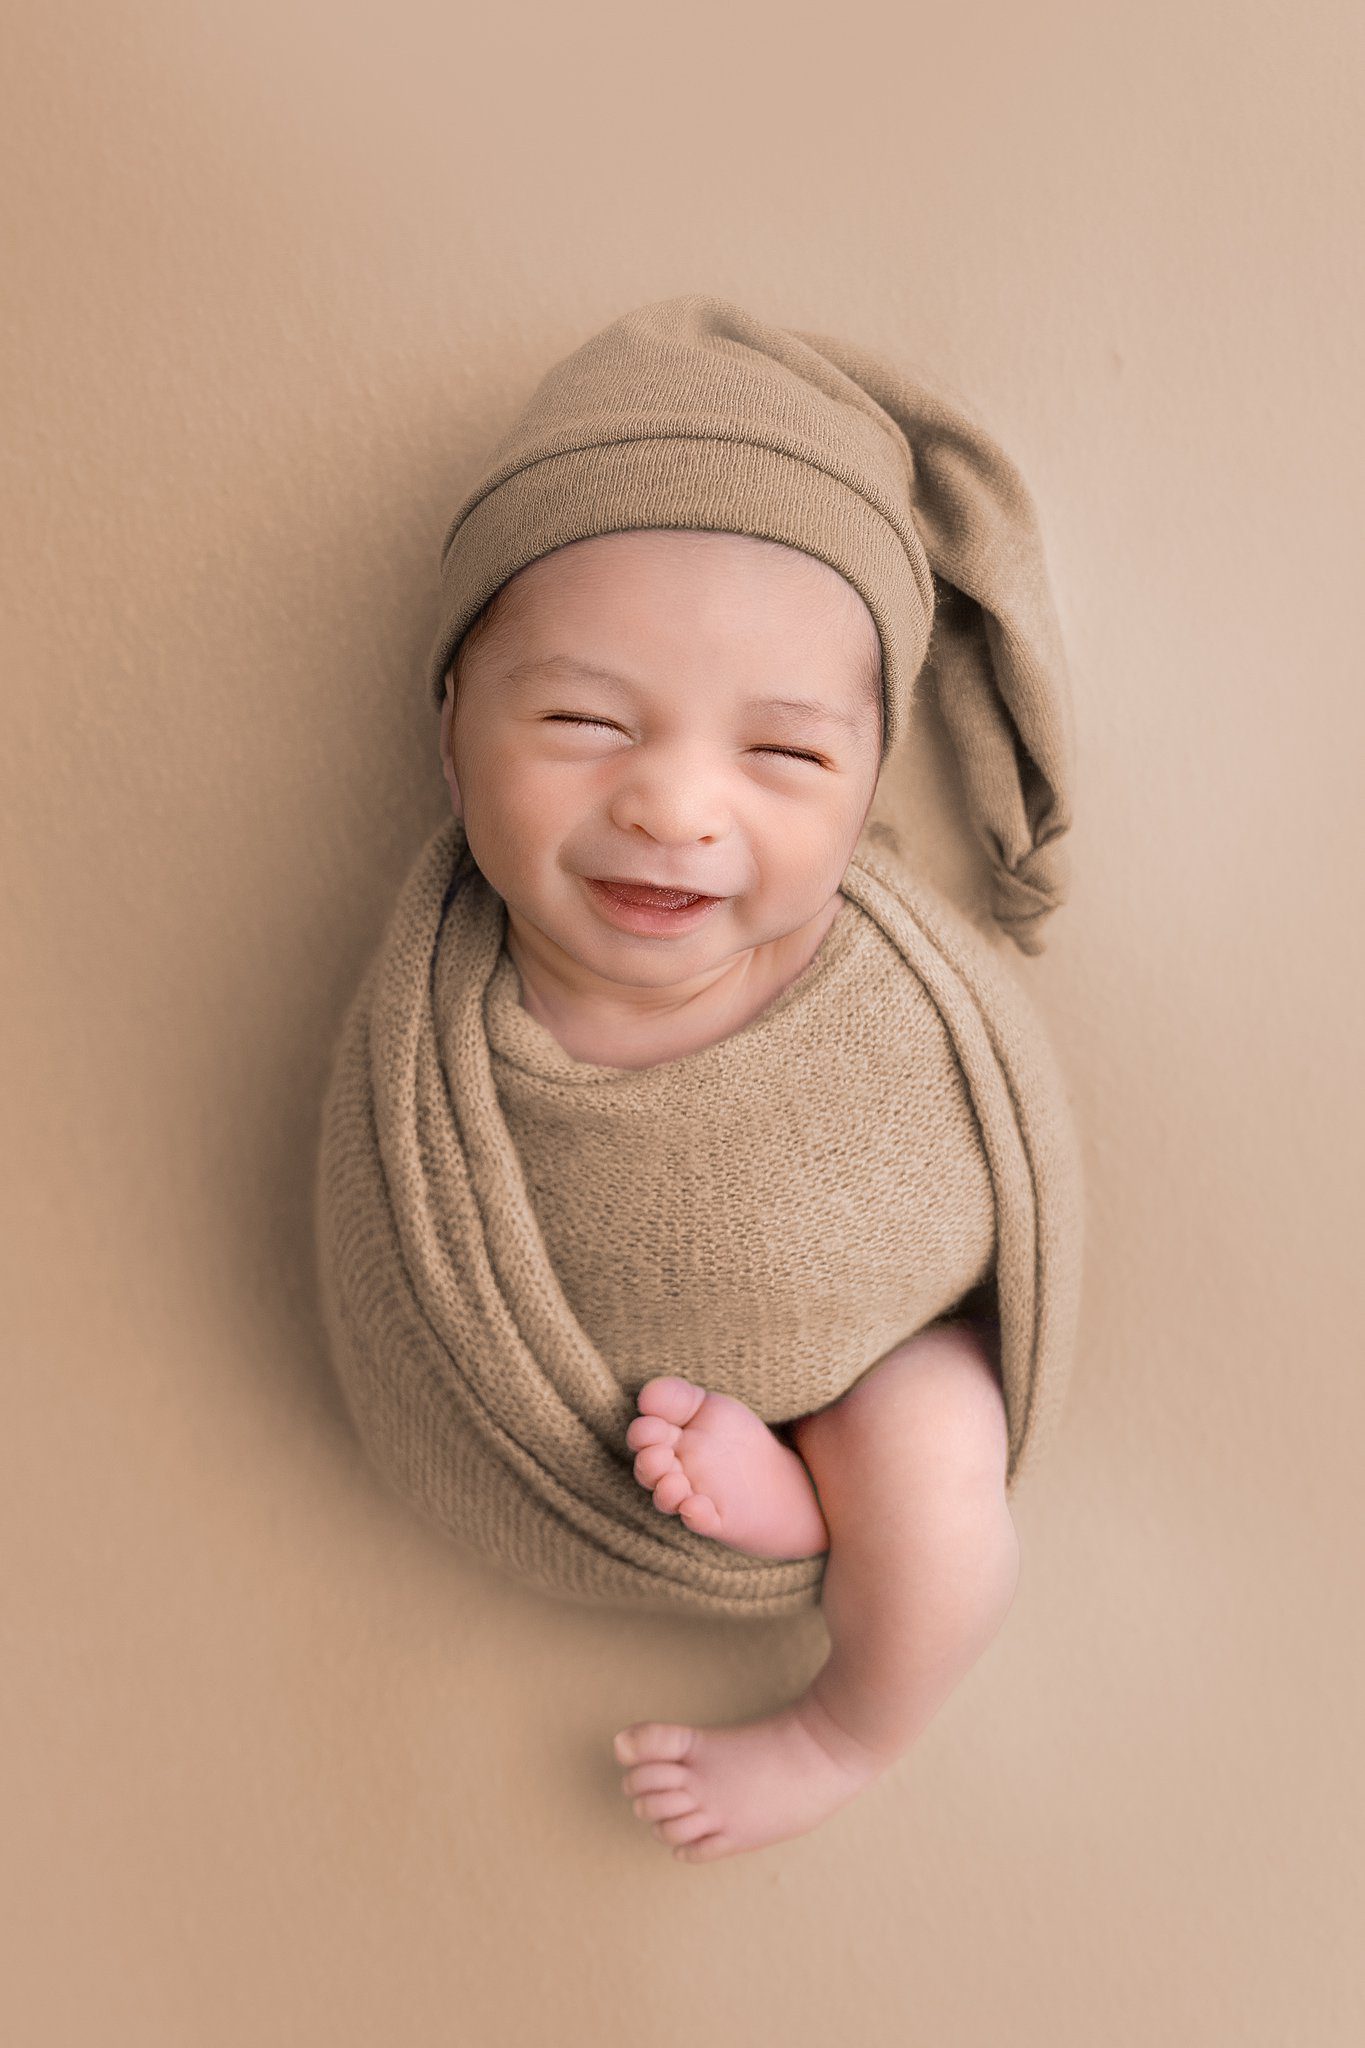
[(648, 911), (659, 899)]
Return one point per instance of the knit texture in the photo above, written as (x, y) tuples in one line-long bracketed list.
[(511, 1242), (874, 1100)]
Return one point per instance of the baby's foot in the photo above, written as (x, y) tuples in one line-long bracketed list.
[(718, 1791), (716, 1465)]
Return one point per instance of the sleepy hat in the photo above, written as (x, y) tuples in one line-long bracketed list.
[(691, 412)]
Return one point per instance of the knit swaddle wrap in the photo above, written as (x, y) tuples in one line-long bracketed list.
[(470, 1380), (771, 1240)]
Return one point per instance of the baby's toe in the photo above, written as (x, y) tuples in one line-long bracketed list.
[(655, 1777), (652, 1463), (667, 1805), (650, 1429), (654, 1742), (670, 1396), (701, 1515), (671, 1491), (688, 1827)]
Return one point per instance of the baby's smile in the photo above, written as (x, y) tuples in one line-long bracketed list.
[(663, 747), (654, 913)]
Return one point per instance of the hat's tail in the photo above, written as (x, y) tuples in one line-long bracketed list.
[(995, 656)]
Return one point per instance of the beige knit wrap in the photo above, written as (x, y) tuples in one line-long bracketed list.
[(512, 1241)]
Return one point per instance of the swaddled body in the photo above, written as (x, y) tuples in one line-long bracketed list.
[(863, 1159), (685, 606), (860, 1127)]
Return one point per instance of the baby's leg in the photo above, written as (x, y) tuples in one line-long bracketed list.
[(922, 1566), (924, 1557)]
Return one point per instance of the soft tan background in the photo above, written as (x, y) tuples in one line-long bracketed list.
[(281, 1765)]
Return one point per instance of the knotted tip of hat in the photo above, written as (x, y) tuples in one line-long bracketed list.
[(1025, 896)]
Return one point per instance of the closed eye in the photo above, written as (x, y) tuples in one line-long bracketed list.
[(572, 718)]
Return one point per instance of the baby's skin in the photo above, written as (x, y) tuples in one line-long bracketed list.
[(902, 1483)]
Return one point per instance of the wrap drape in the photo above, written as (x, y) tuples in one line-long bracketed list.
[(472, 1384)]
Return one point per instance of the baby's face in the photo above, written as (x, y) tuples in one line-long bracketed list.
[(671, 769)]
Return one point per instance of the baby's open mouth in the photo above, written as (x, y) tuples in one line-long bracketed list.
[(648, 911), (643, 892)]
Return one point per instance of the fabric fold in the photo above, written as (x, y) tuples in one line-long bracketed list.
[(473, 1384)]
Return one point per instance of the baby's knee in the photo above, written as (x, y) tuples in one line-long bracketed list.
[(935, 1400)]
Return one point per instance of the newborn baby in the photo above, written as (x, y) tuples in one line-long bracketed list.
[(663, 746)]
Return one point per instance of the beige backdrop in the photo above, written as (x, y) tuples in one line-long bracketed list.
[(281, 1765)]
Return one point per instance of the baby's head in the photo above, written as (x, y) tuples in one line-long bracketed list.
[(695, 709)]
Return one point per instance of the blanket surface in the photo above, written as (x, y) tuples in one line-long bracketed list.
[(512, 1241)]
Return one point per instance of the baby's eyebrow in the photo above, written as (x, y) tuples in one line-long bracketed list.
[(801, 707)]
